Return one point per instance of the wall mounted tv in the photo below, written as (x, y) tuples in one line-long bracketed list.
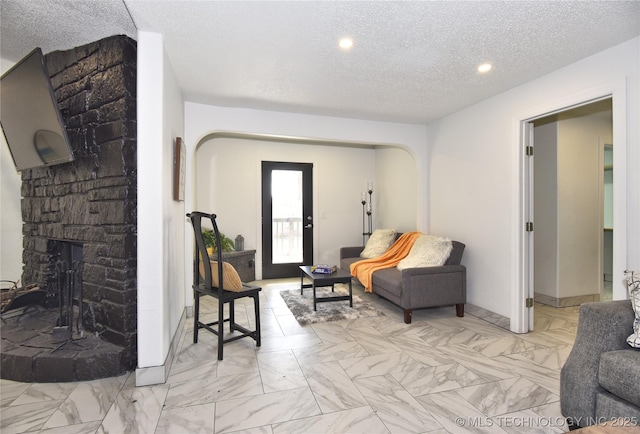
[(30, 117)]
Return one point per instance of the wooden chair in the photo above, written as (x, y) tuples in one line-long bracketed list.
[(204, 284)]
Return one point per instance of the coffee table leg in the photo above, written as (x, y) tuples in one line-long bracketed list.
[(314, 296), (301, 282), (350, 294)]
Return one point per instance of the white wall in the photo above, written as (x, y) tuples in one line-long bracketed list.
[(580, 203), (476, 154), (397, 186), (568, 153), (161, 294), (174, 214), (10, 210), (228, 172), (228, 184)]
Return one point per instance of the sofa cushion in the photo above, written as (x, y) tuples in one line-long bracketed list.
[(609, 408), (619, 373), (427, 251), (388, 279), (378, 243)]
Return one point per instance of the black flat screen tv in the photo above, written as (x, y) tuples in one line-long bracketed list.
[(30, 117)]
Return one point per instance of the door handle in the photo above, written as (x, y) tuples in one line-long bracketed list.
[(308, 226)]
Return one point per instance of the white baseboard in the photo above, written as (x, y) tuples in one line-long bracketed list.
[(159, 374), (565, 301)]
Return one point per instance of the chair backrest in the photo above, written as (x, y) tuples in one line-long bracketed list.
[(201, 254)]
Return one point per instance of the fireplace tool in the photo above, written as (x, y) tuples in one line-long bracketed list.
[(63, 330)]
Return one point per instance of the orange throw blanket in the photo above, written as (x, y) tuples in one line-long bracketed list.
[(363, 270)]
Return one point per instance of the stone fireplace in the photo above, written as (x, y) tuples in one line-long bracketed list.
[(88, 206)]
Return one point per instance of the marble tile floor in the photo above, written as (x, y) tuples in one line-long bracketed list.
[(440, 374)]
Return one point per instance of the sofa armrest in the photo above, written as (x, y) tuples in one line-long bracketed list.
[(602, 326), (434, 286), (422, 271), (350, 252)]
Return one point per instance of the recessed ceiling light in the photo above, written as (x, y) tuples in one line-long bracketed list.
[(485, 67), (346, 43)]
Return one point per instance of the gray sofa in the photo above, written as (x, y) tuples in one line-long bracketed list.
[(600, 380), (416, 288)]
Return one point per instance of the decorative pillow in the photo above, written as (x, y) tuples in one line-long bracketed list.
[(378, 243), (633, 282), (427, 251), (232, 281)]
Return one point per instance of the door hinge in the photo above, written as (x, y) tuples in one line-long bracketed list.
[(529, 150), (528, 226), (529, 302)]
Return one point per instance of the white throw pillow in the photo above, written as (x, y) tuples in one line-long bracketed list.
[(633, 282), (427, 251), (378, 243)]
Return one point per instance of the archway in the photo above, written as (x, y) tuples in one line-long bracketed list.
[(227, 182)]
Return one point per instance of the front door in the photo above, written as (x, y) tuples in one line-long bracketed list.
[(287, 218)]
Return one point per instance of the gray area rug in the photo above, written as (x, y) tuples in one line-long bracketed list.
[(302, 306)]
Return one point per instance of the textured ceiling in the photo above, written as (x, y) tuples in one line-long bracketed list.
[(411, 61)]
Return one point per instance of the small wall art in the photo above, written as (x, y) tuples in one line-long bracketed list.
[(179, 166)]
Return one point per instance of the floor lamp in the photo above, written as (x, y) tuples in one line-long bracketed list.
[(367, 210)]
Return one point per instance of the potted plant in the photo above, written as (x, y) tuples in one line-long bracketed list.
[(210, 242)]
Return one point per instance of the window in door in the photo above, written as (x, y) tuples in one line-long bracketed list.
[(287, 216)]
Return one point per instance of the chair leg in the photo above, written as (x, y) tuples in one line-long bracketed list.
[(196, 316), (232, 316), (220, 328), (460, 309), (256, 305)]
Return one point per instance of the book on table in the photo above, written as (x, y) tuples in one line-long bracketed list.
[(323, 269)]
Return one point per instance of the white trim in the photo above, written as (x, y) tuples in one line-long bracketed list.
[(617, 90), (620, 158), (158, 374)]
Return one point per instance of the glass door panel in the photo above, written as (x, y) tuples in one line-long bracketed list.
[(287, 216)]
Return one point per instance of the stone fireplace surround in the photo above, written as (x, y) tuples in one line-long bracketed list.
[(91, 202)]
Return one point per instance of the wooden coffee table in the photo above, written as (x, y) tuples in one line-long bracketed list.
[(320, 280)]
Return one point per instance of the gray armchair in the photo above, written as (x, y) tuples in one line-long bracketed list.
[(600, 380)]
